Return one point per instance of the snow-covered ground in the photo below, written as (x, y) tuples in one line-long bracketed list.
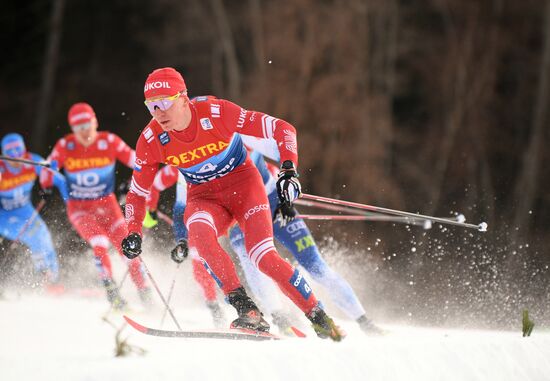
[(64, 338)]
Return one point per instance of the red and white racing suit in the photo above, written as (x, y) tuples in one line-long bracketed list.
[(165, 178), (92, 207), (223, 187)]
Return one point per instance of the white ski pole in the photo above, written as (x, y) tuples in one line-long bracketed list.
[(170, 294), (160, 293), (482, 227)]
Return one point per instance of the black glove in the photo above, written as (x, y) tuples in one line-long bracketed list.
[(45, 194), (288, 186), (123, 187), (180, 252), (285, 213), (131, 245)]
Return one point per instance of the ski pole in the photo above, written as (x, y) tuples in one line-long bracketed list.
[(335, 208), (170, 294), (169, 221), (165, 218), (359, 215), (160, 294), (482, 227), (342, 217), (376, 217), (29, 222), (46, 164)]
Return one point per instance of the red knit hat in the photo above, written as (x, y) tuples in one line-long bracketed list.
[(166, 81), (80, 113)]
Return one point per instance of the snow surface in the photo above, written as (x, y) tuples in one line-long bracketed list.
[(46, 338)]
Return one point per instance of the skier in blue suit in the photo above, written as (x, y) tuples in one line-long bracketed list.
[(291, 232), (19, 221)]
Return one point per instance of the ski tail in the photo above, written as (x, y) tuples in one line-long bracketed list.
[(233, 334)]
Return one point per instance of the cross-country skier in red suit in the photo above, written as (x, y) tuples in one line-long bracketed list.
[(88, 158), (199, 138)]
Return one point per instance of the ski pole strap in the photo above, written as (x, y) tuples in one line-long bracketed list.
[(46, 164), (482, 227)]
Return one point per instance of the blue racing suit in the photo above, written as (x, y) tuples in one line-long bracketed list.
[(295, 237), (19, 221)]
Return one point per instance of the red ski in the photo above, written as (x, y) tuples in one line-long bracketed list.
[(233, 334)]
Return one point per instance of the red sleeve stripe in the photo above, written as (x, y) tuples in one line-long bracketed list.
[(134, 187), (268, 126)]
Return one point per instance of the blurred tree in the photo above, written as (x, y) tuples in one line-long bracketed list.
[(528, 177), (49, 72)]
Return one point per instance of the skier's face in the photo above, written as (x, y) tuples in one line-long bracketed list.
[(86, 132), (174, 117)]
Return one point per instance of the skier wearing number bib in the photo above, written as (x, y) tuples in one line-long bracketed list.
[(199, 138), (88, 159), (18, 219), (289, 230), (164, 179)]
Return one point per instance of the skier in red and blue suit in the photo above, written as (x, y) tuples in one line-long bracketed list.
[(289, 230), (202, 139), (18, 218), (88, 159)]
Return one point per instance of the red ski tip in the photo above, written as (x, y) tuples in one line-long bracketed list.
[(297, 332), (134, 324)]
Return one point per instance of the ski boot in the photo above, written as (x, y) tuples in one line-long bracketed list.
[(250, 316), (368, 327), (145, 297), (113, 295), (324, 326), (217, 314)]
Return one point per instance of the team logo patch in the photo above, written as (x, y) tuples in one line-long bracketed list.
[(215, 110), (295, 226), (164, 138), (148, 135), (206, 124), (70, 146), (157, 85), (129, 212), (242, 116), (255, 210), (102, 145), (300, 284)]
